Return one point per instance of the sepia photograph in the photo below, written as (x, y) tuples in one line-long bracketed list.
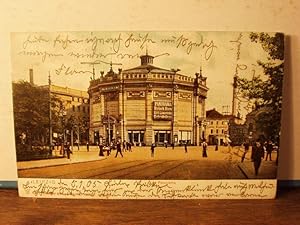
[(147, 105)]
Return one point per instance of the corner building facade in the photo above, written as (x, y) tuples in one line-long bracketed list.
[(146, 105)]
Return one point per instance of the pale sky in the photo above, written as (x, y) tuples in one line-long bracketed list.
[(56, 51)]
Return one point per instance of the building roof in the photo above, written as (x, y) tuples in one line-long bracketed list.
[(214, 114), (147, 69), (147, 66), (67, 91)]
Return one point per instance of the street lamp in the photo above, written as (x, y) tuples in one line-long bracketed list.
[(62, 115)]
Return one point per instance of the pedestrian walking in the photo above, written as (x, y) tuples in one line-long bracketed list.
[(269, 149), (185, 147), (129, 146), (204, 149), (246, 149), (77, 144), (87, 146), (172, 145), (152, 149), (217, 145), (124, 146), (166, 143), (67, 149), (101, 146), (258, 155), (119, 150)]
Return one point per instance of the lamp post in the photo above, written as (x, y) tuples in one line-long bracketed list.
[(62, 115)]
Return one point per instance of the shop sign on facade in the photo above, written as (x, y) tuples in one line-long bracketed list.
[(162, 110)]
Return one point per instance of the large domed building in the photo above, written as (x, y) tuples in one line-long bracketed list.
[(147, 104)]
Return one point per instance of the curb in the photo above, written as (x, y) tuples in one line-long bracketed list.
[(243, 172), (66, 163)]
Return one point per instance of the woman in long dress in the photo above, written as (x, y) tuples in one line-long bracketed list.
[(204, 150)]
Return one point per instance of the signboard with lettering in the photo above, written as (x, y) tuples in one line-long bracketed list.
[(162, 110)]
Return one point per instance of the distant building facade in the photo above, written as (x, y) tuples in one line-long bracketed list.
[(147, 104), (217, 127), (73, 112)]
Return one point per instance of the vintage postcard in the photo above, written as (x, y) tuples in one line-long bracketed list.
[(147, 115)]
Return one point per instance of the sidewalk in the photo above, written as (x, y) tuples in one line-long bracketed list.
[(267, 168), (78, 156)]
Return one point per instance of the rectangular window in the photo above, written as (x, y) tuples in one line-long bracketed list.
[(217, 131), (130, 137), (211, 123), (222, 131), (217, 123), (211, 131), (73, 108), (83, 109), (78, 108)]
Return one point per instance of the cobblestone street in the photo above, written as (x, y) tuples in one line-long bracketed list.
[(167, 163)]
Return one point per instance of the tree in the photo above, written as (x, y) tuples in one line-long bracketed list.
[(79, 124), (266, 93), (31, 113)]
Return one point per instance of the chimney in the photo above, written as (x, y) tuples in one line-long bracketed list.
[(31, 76)]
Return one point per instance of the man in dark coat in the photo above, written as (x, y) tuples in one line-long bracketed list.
[(119, 149), (87, 146), (246, 149), (67, 149), (124, 146), (101, 153), (152, 149), (269, 149), (258, 154)]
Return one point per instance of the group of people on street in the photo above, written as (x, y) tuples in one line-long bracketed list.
[(67, 149), (125, 146), (185, 145), (258, 152)]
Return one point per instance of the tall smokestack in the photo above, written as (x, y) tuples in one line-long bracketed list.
[(31, 76)]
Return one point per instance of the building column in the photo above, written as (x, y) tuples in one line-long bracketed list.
[(198, 133), (148, 136), (102, 113), (114, 131), (121, 113)]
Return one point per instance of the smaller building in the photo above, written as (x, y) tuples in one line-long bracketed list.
[(73, 114), (217, 126)]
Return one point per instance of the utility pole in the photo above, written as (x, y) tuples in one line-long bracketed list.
[(93, 64), (234, 96), (108, 123), (50, 115)]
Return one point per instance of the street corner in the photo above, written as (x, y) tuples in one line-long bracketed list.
[(267, 170)]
